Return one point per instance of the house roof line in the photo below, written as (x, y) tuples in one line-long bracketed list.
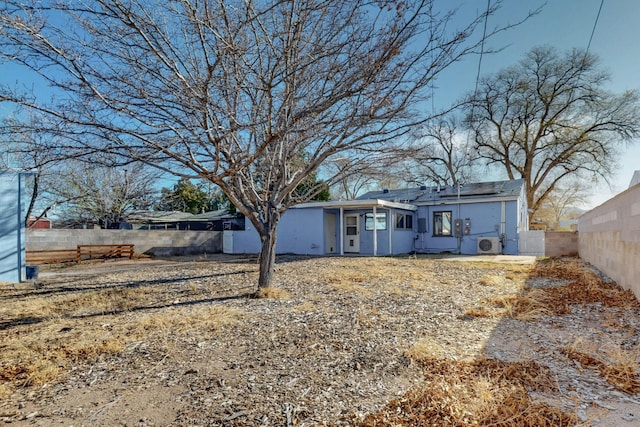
[(473, 192), (357, 204), (462, 201)]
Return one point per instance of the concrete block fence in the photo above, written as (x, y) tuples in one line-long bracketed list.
[(609, 238), (560, 243), (150, 242)]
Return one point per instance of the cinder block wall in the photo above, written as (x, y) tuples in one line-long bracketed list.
[(560, 243), (609, 238), (151, 242)]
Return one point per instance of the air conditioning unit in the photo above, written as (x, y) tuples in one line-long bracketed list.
[(489, 245)]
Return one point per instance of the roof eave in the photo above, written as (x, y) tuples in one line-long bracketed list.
[(357, 204), (456, 201)]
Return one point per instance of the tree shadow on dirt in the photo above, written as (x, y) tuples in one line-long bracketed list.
[(51, 289), (550, 360)]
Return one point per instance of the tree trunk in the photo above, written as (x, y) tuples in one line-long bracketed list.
[(267, 255), (32, 201)]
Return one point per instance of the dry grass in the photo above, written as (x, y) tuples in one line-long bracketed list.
[(40, 358), (617, 366), (584, 287), (527, 306), (425, 350), (476, 393), (382, 270), (182, 321), (482, 311), (479, 392), (85, 325), (306, 306), (37, 354), (492, 281), (347, 286), (272, 293)]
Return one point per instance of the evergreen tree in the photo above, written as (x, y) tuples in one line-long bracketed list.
[(186, 196)]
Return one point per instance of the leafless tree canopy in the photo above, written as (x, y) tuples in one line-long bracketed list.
[(236, 92), (28, 145), (548, 119), (558, 204), (102, 195), (444, 154)]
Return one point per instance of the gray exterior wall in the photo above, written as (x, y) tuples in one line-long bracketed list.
[(491, 213), (609, 238), (303, 231), (300, 231), (487, 219), (150, 242)]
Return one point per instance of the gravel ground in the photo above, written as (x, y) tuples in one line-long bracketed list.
[(181, 342)]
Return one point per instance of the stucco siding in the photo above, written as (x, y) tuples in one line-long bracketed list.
[(305, 230), (485, 221), (246, 241), (402, 241), (300, 231)]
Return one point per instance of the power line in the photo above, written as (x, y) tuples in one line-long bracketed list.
[(594, 28), (433, 101), (484, 36)]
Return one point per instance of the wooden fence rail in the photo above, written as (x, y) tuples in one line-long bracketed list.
[(104, 251), (52, 256), (81, 253)]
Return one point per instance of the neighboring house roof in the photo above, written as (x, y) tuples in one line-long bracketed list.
[(510, 189), (212, 215), (174, 216), (635, 179)]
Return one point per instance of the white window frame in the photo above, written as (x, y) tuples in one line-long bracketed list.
[(381, 221)]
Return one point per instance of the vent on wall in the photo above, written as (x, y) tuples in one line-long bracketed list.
[(489, 245)]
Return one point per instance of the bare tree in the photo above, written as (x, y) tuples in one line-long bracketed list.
[(444, 155), (558, 204), (235, 91), (27, 145), (104, 195), (354, 177), (548, 120)]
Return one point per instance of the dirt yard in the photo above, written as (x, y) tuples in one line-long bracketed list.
[(413, 341)]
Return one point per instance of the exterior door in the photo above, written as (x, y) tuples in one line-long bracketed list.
[(227, 241), (330, 233), (352, 233)]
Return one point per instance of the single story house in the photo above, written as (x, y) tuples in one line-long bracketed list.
[(480, 218)]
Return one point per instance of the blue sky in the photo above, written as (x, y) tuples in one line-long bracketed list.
[(564, 24)]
